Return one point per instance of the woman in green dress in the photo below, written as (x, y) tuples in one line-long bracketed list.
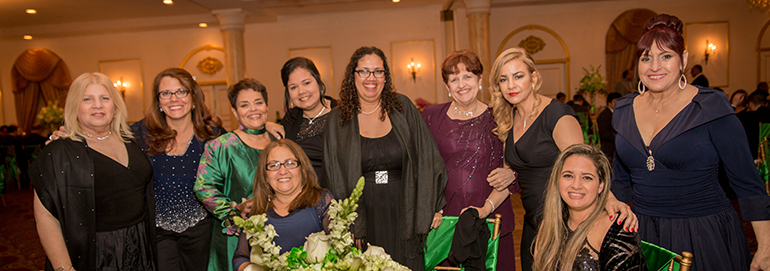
[(227, 168)]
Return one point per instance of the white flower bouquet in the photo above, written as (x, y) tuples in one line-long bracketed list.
[(334, 251)]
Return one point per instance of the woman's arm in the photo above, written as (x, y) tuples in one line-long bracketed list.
[(761, 259), (209, 182), (242, 255), (567, 132), (51, 237), (493, 201)]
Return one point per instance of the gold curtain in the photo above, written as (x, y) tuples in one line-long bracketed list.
[(622, 37), (36, 72)]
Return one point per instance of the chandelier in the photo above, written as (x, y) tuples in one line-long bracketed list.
[(761, 5)]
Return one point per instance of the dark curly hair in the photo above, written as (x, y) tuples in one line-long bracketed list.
[(159, 135), (349, 104)]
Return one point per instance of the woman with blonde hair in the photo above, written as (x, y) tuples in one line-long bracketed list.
[(93, 201), (575, 232), (534, 129)]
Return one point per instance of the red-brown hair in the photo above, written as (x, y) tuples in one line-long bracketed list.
[(467, 57), (664, 29)]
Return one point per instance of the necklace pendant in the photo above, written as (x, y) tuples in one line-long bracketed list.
[(650, 162)]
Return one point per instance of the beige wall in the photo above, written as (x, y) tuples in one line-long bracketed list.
[(583, 27)]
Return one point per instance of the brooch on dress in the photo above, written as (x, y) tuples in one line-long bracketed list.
[(650, 162)]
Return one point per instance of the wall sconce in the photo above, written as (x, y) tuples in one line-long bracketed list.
[(121, 86), (711, 49), (413, 69)]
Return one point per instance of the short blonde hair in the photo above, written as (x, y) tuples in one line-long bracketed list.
[(501, 108), (118, 124)]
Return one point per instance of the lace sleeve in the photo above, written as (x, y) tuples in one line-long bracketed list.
[(322, 209)]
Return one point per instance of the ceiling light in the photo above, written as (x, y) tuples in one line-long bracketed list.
[(27, 37), (31, 11), (203, 25), (168, 2), (396, 1)]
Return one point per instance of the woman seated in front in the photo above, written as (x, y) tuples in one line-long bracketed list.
[(286, 188), (575, 234)]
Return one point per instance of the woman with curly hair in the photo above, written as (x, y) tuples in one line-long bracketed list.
[(379, 134)]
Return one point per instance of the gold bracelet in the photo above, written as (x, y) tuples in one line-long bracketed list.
[(64, 268)]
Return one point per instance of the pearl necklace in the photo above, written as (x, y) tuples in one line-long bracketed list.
[(100, 138), (317, 115), (371, 112)]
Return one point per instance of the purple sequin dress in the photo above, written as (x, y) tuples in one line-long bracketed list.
[(471, 151)]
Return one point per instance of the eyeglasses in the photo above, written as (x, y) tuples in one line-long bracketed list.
[(288, 164), (365, 74), (180, 94)]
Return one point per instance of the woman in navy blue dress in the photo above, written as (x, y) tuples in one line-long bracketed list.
[(672, 140)]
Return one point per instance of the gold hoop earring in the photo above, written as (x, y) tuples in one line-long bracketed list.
[(641, 88), (680, 81)]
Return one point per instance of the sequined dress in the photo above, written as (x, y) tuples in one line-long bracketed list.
[(620, 251), (471, 151)]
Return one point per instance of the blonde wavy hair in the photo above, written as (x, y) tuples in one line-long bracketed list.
[(554, 250), (118, 125), (501, 108)]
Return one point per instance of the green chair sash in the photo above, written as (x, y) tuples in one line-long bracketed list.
[(658, 258)]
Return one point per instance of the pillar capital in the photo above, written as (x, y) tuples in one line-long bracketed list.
[(478, 6), (231, 18)]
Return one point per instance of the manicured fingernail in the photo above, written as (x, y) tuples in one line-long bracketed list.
[(610, 217), (619, 222), (626, 228)]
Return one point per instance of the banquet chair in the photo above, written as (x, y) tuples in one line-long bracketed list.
[(764, 147), (661, 259), (439, 243)]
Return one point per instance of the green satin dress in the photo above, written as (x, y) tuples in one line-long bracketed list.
[(225, 177)]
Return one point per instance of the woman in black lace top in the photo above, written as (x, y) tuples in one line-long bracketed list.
[(575, 234)]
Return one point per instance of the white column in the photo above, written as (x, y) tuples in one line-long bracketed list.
[(478, 36), (232, 23)]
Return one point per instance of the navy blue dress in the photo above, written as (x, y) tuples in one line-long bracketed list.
[(679, 203)]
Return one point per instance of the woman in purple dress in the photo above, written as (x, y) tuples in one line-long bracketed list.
[(473, 155)]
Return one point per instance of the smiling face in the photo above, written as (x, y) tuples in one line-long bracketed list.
[(284, 181), (516, 81), (250, 109), (175, 107), (303, 89), (579, 184), (96, 109), (660, 69), (464, 85), (370, 88)]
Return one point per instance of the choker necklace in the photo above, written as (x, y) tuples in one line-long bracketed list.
[(371, 112), (254, 131), (317, 115), (100, 138), (466, 113)]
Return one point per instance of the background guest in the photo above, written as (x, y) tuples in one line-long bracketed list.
[(561, 97), (698, 79), (173, 134), (672, 140), (379, 134), (286, 188), (462, 129), (304, 123), (755, 114), (739, 100), (575, 233), (93, 199), (604, 122), (227, 167), (625, 85)]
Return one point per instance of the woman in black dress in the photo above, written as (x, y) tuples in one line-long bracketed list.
[(93, 188)]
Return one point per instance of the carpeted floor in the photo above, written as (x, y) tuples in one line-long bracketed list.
[(20, 247)]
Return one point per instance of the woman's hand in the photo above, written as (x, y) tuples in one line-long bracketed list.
[(615, 207), (761, 260), (501, 178), (484, 211), (436, 220), (275, 129), (245, 208), (57, 134)]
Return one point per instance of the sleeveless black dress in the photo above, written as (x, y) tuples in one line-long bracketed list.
[(533, 157)]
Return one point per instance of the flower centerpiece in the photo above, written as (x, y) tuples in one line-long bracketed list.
[(334, 251), (592, 83), (50, 116)]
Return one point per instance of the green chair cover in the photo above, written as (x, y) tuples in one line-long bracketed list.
[(3, 170), (439, 243), (658, 258), (764, 168)]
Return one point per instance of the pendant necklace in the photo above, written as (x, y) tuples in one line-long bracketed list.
[(317, 115), (466, 113), (370, 112), (100, 138), (650, 160)]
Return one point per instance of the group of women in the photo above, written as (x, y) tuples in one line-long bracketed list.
[(98, 189)]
